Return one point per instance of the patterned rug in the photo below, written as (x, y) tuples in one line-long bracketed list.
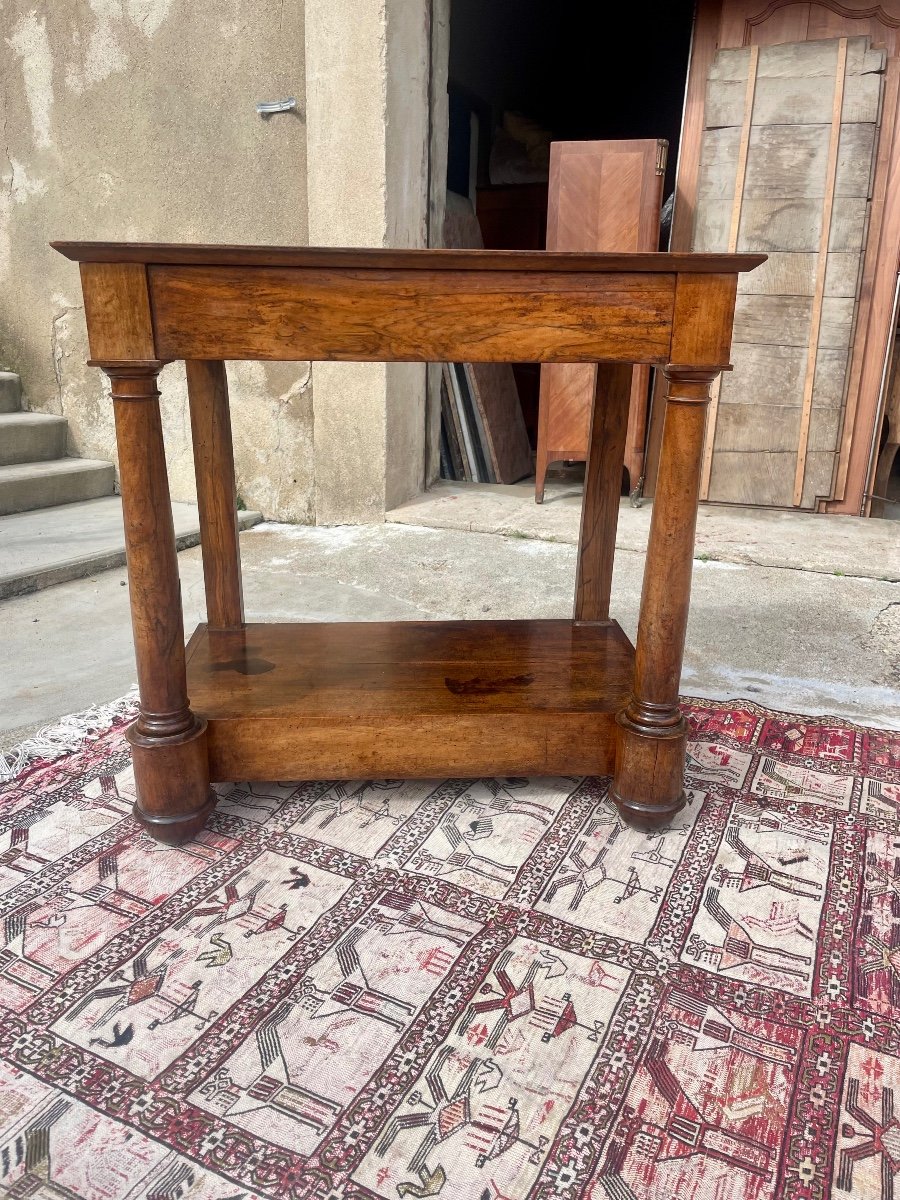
[(483, 990)]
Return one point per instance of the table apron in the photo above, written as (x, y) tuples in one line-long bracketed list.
[(294, 314)]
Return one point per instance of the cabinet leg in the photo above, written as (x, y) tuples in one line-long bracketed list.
[(540, 477), (168, 740), (648, 786)]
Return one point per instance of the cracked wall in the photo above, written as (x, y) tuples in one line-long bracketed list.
[(135, 120)]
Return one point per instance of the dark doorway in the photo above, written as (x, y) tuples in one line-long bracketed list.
[(525, 72)]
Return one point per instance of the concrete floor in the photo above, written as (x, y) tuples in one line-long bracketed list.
[(792, 639), (763, 537)]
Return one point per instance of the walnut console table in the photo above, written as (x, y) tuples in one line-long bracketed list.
[(358, 700)]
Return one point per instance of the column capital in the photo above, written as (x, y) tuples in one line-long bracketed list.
[(690, 385), (132, 380)]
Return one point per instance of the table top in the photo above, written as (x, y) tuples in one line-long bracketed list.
[(162, 254)]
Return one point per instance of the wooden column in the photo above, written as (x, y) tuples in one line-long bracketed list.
[(602, 489), (216, 493), (648, 787), (168, 741)]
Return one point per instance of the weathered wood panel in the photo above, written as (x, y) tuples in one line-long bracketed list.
[(768, 374), (793, 102), (741, 477), (787, 162), (785, 321), (819, 472), (738, 427), (773, 225), (753, 477), (805, 189), (798, 60), (791, 273)]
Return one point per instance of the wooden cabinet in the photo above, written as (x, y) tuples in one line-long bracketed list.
[(604, 196)]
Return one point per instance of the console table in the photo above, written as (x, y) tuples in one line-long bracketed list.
[(403, 699)]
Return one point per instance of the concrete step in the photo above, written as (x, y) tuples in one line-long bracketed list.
[(26, 486), (54, 545), (10, 392), (27, 437)]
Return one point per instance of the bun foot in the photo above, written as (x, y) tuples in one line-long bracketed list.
[(175, 831), (171, 775)]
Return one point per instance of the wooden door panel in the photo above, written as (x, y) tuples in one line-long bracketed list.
[(734, 24), (786, 167)]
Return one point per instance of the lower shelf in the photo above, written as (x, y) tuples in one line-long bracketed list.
[(417, 699)]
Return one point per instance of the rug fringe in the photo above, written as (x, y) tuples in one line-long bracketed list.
[(67, 735)]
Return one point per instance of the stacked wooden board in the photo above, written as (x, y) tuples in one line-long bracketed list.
[(483, 436), (786, 168), (465, 453)]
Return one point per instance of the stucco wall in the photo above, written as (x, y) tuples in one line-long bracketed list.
[(135, 119), (368, 68)]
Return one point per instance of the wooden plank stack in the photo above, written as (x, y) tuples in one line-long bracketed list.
[(483, 434)]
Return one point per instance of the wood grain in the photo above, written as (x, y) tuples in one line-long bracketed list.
[(602, 488), (430, 698), (409, 699), (159, 254), (117, 311), (648, 787), (167, 740), (702, 322), (818, 298), (227, 312), (874, 331), (216, 493)]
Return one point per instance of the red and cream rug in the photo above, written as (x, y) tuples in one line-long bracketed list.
[(483, 990)]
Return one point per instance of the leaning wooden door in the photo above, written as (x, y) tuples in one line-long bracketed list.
[(786, 168), (603, 196), (734, 24)]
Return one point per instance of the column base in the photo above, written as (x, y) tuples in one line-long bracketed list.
[(174, 797), (648, 786), (175, 831)]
